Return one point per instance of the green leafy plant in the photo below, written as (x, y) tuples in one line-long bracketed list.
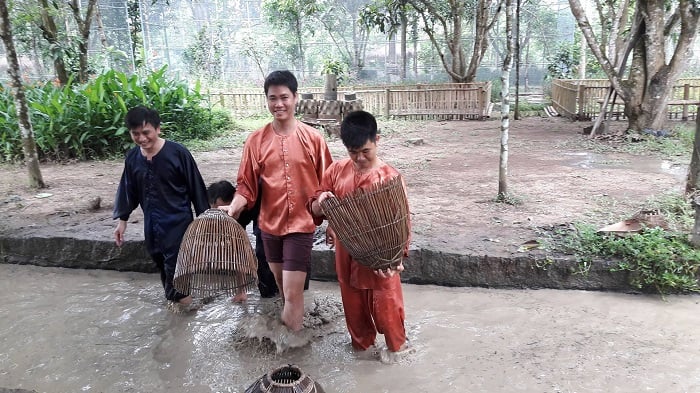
[(655, 258), (334, 67), (87, 121)]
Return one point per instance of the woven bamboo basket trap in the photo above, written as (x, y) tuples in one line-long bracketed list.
[(215, 257), (285, 379), (372, 223)]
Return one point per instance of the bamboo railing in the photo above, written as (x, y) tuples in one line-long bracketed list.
[(416, 102), (580, 99)]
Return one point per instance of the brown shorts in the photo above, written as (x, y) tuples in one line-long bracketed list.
[(292, 250)]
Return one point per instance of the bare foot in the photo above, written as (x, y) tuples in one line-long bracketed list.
[(239, 297), (185, 301), (390, 357)]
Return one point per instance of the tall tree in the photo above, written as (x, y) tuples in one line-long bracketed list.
[(292, 16), (443, 22), (661, 34), (31, 157), (505, 100), (390, 17), (340, 20)]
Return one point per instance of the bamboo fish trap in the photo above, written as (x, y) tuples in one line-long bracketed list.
[(215, 257), (373, 223), (285, 379)]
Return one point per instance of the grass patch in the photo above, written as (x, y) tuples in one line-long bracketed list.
[(508, 199), (657, 259), (676, 146), (232, 137)]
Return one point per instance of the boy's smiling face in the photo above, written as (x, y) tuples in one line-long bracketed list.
[(365, 156)]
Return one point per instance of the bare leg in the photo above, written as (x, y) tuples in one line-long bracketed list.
[(241, 294), (276, 269), (293, 290)]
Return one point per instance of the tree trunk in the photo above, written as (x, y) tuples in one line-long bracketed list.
[(300, 46), (505, 101), (31, 157), (415, 49), (582, 61), (481, 36), (403, 32), (650, 80), (101, 28), (50, 33), (693, 185), (440, 20), (516, 113), (84, 29)]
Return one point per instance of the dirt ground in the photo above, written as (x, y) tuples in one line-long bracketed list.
[(451, 168)]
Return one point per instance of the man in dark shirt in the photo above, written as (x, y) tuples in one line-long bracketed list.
[(162, 177)]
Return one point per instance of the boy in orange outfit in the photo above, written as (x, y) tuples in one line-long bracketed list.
[(372, 299), (284, 160)]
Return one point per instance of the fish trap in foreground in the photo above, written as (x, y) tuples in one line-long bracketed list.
[(372, 223), (285, 379), (215, 257)]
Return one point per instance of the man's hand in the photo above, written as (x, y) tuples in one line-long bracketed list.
[(119, 233), (389, 272), (238, 204)]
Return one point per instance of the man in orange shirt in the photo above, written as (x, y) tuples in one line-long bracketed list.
[(372, 299), (284, 160)]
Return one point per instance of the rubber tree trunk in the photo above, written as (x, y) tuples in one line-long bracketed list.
[(25, 125), (505, 101)]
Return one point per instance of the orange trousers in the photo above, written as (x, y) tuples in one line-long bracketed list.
[(372, 311)]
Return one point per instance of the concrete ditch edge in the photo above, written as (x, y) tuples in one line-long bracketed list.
[(423, 266)]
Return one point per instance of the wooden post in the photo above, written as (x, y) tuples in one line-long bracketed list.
[(686, 96), (387, 109), (221, 100), (581, 97)]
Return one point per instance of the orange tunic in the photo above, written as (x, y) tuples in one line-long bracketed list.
[(287, 170), (341, 179), (372, 304)]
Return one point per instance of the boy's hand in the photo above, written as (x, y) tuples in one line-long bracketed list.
[(325, 195), (316, 209), (389, 272), (330, 237)]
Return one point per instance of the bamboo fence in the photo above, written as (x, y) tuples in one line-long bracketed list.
[(416, 102), (581, 99)]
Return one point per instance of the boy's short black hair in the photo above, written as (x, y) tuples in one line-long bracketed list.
[(138, 116), (221, 189), (281, 78), (357, 128)]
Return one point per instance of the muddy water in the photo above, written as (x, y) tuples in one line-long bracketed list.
[(98, 331)]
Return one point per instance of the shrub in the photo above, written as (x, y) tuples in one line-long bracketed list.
[(87, 121)]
